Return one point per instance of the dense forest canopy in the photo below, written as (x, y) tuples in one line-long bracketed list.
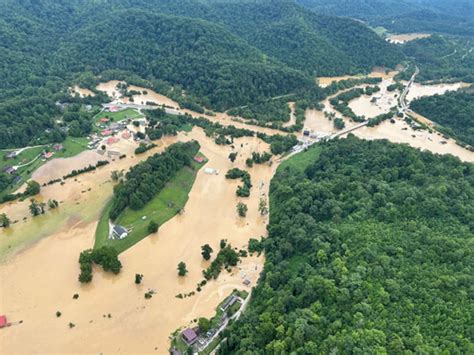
[(146, 179), (453, 112), (223, 54), (370, 250), (442, 58), (404, 16)]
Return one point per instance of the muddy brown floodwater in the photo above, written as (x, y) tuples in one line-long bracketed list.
[(81, 91), (43, 278), (407, 37), (39, 275)]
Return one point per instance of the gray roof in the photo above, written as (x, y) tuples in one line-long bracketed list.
[(120, 230)]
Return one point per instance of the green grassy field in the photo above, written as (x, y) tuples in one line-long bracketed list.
[(162, 208), (72, 147), (118, 116), (301, 160)]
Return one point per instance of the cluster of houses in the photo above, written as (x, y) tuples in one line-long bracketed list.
[(46, 154), (192, 337)]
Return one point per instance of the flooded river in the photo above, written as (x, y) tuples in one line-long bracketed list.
[(111, 314), (42, 279)]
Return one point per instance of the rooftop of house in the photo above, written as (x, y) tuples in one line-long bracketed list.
[(189, 335), (119, 230)]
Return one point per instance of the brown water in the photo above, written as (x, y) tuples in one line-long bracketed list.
[(42, 279), (407, 37), (362, 106), (418, 90), (81, 91)]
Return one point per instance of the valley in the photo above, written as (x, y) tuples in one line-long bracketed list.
[(230, 177)]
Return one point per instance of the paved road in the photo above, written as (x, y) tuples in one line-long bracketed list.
[(402, 100)]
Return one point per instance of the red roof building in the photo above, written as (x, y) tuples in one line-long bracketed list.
[(106, 132), (3, 321), (48, 155), (126, 135), (199, 159), (112, 140), (104, 120)]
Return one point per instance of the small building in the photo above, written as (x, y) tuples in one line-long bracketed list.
[(3, 321), (47, 155), (199, 159), (126, 135), (189, 336), (12, 155), (9, 170), (119, 232), (229, 302), (106, 132), (246, 282), (113, 153), (58, 146), (115, 108), (211, 171), (112, 140), (104, 120), (306, 133)]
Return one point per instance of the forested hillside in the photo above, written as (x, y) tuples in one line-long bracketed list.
[(453, 111), (222, 54), (215, 66), (369, 251), (404, 16), (284, 32), (442, 58)]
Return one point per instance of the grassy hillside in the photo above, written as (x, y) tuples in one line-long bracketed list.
[(369, 251)]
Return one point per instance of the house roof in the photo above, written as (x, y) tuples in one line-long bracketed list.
[(189, 334), (3, 321), (120, 230)]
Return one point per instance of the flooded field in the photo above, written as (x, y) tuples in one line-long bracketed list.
[(418, 90), (377, 72), (110, 88), (81, 91), (50, 268), (379, 103), (407, 37), (401, 132), (111, 315)]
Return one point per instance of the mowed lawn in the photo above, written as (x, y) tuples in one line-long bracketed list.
[(301, 160), (120, 115), (162, 208), (72, 147)]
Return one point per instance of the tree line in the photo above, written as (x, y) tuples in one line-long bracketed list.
[(368, 251)]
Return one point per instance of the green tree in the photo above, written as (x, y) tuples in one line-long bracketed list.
[(138, 278), (204, 324), (32, 188), (4, 220), (339, 123), (232, 156), (206, 251), (182, 271), (152, 227), (52, 204), (242, 209), (262, 206)]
